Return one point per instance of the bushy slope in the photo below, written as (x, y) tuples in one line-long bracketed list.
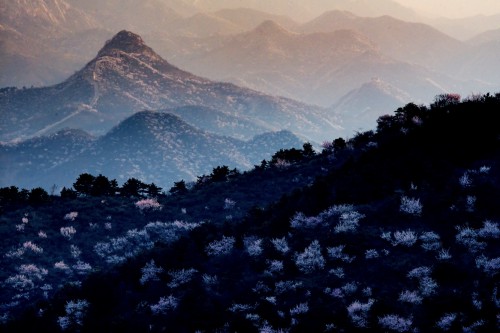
[(398, 233)]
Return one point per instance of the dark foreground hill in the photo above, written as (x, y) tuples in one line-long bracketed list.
[(398, 232)]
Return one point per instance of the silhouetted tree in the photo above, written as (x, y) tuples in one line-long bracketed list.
[(153, 190), (100, 186), (339, 144), (84, 184), (38, 196), (220, 173), (68, 193), (289, 155), (9, 194), (307, 150), (133, 188), (179, 188)]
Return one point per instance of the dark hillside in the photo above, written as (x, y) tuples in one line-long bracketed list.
[(394, 230)]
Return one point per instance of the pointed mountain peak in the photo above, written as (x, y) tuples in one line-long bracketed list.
[(270, 27), (125, 41)]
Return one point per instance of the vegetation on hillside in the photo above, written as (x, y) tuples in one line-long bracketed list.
[(393, 230)]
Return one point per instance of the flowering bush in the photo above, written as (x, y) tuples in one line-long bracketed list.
[(311, 259), (180, 277), (75, 312), (221, 247), (253, 246), (164, 305), (150, 272), (281, 245), (410, 206), (395, 323), (68, 232), (71, 216), (406, 238), (148, 204)]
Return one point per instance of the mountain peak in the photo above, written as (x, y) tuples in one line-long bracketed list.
[(125, 41), (270, 27)]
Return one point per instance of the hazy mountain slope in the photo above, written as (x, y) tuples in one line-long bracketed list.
[(127, 76), (44, 18), (467, 27), (317, 67), (360, 108), (249, 19), (410, 42), (301, 10), (150, 146)]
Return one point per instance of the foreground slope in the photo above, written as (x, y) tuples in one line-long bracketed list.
[(399, 234)]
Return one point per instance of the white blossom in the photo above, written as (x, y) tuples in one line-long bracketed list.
[(32, 247), (301, 308), (229, 204), (406, 238), (371, 254), (465, 180), (443, 254), (410, 206), (253, 246), (358, 312), (75, 313), (275, 266), (489, 230), (395, 323), (221, 247), (68, 232), (281, 245), (311, 259), (148, 204), (446, 321), (180, 277), (71, 216), (75, 251), (164, 305), (410, 297), (150, 272)]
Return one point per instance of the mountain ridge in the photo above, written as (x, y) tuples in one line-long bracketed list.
[(119, 82)]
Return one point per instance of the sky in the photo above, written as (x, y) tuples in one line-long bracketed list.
[(454, 8)]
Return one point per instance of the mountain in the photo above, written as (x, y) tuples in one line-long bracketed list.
[(249, 19), (360, 108), (141, 16), (151, 146), (410, 42), (300, 10), (281, 62), (29, 54), (128, 76), (486, 37), (465, 28), (44, 18), (316, 67)]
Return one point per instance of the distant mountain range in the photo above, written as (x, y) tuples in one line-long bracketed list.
[(150, 146), (205, 38), (92, 122), (126, 77)]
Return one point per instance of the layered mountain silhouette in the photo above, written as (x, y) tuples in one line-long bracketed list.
[(128, 76), (151, 146), (323, 66)]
